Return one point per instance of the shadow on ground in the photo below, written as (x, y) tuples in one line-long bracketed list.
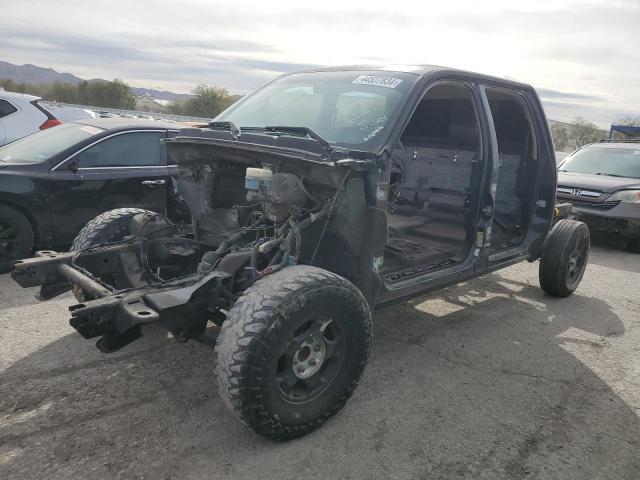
[(477, 381), (617, 256)]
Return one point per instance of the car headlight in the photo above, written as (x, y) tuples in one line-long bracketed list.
[(625, 196)]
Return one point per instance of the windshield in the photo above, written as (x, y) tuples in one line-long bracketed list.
[(347, 108), (599, 160), (43, 145)]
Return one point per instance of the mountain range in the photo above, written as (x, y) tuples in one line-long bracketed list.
[(34, 74)]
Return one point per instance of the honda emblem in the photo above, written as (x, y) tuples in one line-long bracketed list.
[(575, 192)]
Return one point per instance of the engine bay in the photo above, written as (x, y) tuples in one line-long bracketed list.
[(257, 216)]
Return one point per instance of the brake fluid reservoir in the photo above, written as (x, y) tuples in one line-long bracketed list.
[(258, 178)]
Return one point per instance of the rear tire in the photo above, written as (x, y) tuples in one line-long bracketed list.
[(564, 258), (108, 227), (292, 350), (633, 245), (16, 237)]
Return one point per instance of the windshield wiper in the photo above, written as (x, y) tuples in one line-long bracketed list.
[(228, 126), (306, 131)]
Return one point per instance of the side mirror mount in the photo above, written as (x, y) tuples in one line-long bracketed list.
[(72, 165)]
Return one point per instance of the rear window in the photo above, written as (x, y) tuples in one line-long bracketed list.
[(43, 145), (47, 113), (616, 162)]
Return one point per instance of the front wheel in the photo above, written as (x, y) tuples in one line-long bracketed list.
[(292, 350), (564, 258)]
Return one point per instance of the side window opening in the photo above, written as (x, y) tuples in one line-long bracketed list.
[(124, 150), (432, 177), (517, 155), (6, 108)]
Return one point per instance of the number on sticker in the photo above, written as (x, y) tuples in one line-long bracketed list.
[(378, 81)]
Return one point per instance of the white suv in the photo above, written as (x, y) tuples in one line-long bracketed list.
[(22, 115)]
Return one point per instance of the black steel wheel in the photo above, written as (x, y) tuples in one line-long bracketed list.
[(564, 258), (309, 360), (16, 237), (292, 350)]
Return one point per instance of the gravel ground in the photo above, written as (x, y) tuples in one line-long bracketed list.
[(487, 379)]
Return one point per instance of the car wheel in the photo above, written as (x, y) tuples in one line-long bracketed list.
[(564, 258), (108, 227), (633, 245), (292, 350), (16, 237)]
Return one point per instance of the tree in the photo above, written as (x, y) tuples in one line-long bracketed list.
[(176, 108), (101, 93), (560, 134), (7, 84), (581, 132), (97, 93), (64, 92), (628, 121), (83, 93), (11, 86), (207, 102), (122, 93)]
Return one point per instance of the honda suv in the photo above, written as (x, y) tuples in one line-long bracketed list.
[(602, 181)]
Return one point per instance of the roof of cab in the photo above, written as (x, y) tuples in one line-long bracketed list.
[(419, 70), (415, 69)]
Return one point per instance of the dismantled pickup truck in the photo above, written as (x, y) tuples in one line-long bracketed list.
[(316, 199)]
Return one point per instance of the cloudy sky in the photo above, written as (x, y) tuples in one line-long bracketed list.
[(582, 56)]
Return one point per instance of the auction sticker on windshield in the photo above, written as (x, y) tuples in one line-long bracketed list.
[(378, 81)]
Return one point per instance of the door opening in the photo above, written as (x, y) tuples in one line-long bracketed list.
[(430, 219), (517, 163)]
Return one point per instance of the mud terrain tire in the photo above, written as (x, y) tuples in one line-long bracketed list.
[(108, 227), (259, 345), (564, 258)]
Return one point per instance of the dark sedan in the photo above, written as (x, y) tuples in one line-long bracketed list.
[(602, 181), (55, 181)]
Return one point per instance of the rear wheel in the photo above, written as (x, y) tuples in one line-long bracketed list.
[(108, 227), (16, 237), (564, 258), (292, 350)]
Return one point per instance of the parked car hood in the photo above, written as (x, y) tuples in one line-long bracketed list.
[(602, 183)]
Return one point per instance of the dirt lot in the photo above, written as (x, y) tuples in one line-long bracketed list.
[(488, 379)]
